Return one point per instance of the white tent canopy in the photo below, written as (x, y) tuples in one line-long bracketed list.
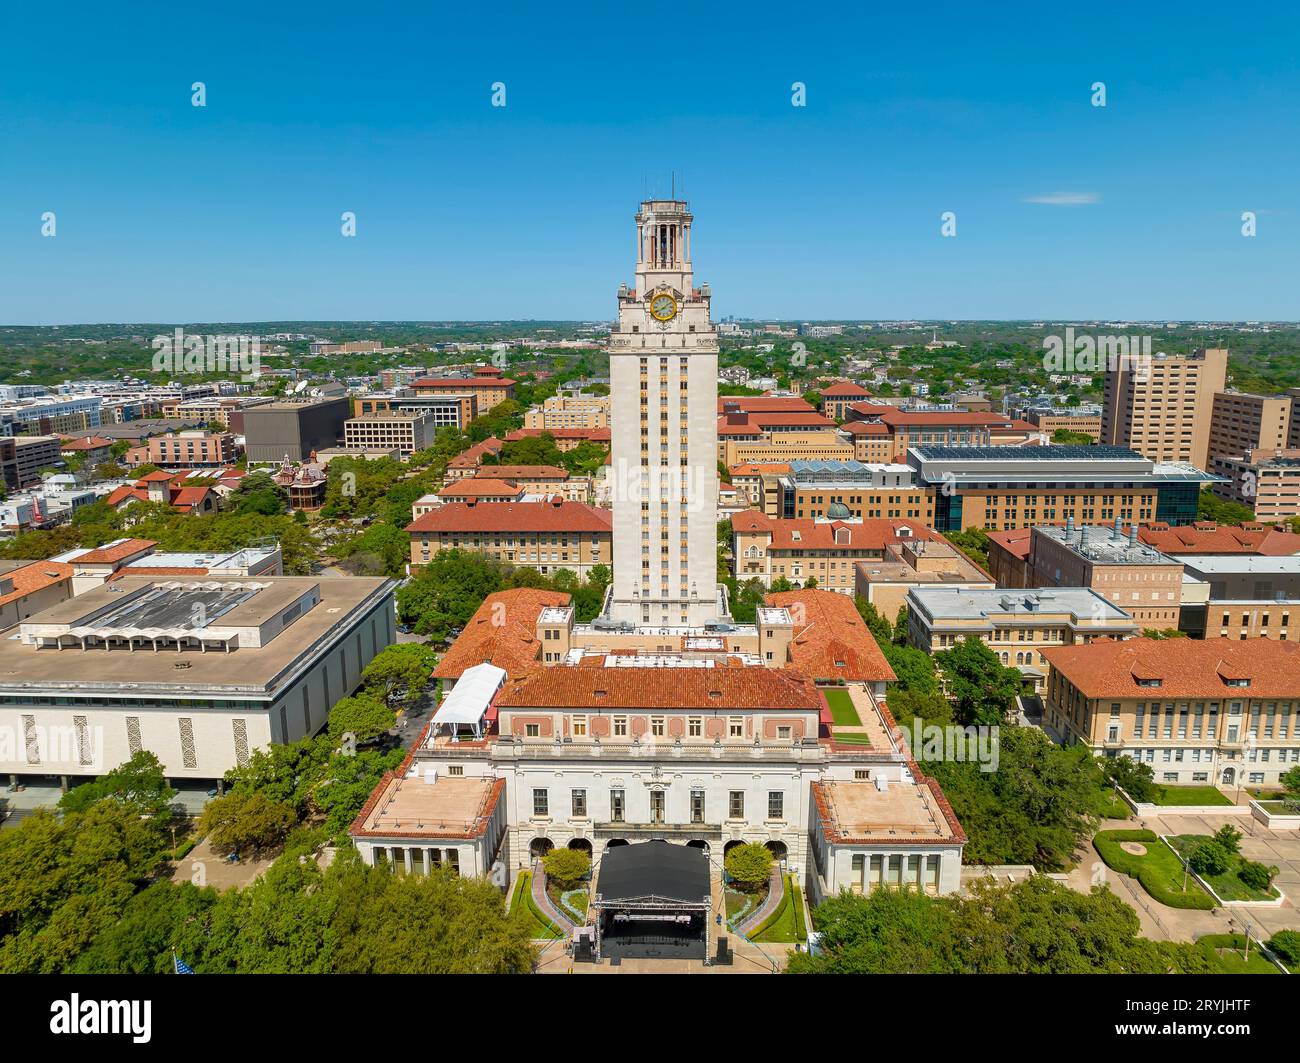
[(471, 697)]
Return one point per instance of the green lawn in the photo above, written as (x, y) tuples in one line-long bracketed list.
[(1228, 886), (1190, 795), (841, 706), (785, 925), (851, 738), (1225, 950), (1112, 806), (738, 903), (522, 907), (1159, 870)]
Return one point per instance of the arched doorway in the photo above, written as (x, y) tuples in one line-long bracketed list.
[(583, 845), (539, 847), (779, 850), (729, 846), (614, 843), (699, 843), (1229, 776)]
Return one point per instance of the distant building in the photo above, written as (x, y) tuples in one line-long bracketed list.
[(403, 431), (23, 457), (488, 385), (1163, 409), (191, 449), (1267, 481)]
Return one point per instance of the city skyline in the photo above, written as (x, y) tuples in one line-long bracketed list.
[(464, 211)]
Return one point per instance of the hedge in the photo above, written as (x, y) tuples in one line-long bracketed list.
[(1107, 844)]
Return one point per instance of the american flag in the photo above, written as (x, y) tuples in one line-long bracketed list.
[(181, 966)]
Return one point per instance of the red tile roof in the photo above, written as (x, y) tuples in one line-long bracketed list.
[(523, 472), (865, 428), (514, 517), (759, 468), (460, 383), (843, 389), (1208, 538), (503, 632), (1015, 542), (873, 533), (474, 455), (833, 642), (1186, 668), (86, 443), (114, 552), (718, 689), (475, 486), (37, 576), (596, 435)]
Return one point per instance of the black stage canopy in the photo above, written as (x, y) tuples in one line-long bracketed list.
[(654, 869)]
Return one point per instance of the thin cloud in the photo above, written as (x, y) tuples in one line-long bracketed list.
[(1064, 199)]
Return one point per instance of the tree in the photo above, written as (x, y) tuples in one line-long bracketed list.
[(908, 705), (901, 622), (876, 624), (1067, 437), (1286, 943), (983, 689), (152, 923), (361, 716), (1131, 775), (566, 867), (749, 865), (1209, 858), (380, 550), (445, 593), (258, 493), (244, 821), (399, 673), (422, 924), (1036, 808), (1035, 926), (1229, 837), (1210, 506), (139, 784), (1163, 633), (913, 668)]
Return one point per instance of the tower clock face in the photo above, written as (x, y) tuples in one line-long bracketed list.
[(663, 307)]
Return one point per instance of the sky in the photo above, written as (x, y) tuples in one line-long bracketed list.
[(167, 212)]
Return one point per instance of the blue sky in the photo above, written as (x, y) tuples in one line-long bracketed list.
[(168, 212)]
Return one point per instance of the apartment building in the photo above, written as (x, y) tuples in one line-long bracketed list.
[(1017, 626), (1162, 407), (1268, 481), (191, 450), (225, 410), (403, 431), (1240, 423), (1049, 420), (320, 347), (1216, 711), (23, 457), (569, 410), (543, 535)]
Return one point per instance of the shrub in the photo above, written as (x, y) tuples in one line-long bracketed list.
[(749, 865), (566, 867), (1209, 858), (1286, 943), (1256, 875)]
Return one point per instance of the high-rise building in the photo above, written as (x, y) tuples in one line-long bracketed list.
[(663, 370), (1162, 406)]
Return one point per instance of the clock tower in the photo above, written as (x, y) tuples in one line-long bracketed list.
[(663, 367)]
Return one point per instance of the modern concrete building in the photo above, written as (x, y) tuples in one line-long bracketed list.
[(911, 562), (23, 457), (1214, 711), (293, 428), (200, 672), (403, 431), (663, 367), (844, 489), (1162, 406), (1017, 626), (1241, 423)]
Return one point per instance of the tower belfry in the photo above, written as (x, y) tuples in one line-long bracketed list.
[(663, 369)]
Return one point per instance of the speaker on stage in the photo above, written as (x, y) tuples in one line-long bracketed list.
[(724, 953)]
